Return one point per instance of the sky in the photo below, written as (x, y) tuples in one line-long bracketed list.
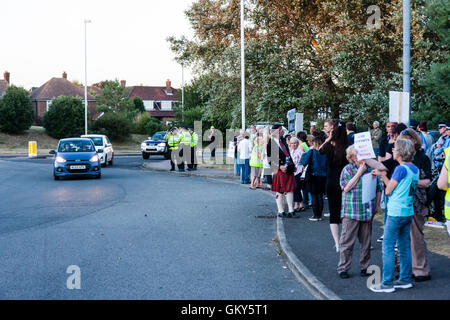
[(126, 40)]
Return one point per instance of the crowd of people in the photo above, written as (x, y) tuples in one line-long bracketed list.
[(410, 172)]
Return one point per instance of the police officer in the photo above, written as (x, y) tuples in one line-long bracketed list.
[(184, 145), (194, 141), (172, 141), (444, 184)]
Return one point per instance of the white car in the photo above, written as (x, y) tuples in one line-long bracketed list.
[(104, 148)]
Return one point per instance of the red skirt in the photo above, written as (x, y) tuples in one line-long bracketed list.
[(283, 182)]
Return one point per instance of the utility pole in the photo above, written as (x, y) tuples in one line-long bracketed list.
[(242, 66), (85, 77), (407, 52)]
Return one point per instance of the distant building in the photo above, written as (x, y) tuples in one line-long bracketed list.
[(158, 101), (41, 97), (4, 84)]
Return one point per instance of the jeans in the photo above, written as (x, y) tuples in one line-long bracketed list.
[(396, 230), (245, 170)]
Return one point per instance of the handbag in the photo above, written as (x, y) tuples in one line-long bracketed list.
[(307, 171)]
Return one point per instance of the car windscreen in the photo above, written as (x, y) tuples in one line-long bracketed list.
[(76, 146), (98, 141), (158, 136)]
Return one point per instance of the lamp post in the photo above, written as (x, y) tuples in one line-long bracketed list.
[(407, 52), (182, 93), (86, 21), (242, 66)]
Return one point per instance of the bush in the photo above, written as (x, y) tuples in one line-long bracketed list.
[(115, 125), (16, 110), (65, 117), (148, 125)]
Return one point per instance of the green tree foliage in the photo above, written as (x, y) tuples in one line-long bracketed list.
[(318, 56), (148, 125), (65, 117), (16, 110), (116, 126), (115, 98)]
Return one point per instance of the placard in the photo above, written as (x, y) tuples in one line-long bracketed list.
[(369, 187), (363, 146), (399, 107)]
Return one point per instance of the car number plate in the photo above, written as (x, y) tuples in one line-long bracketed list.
[(77, 167), (151, 149)]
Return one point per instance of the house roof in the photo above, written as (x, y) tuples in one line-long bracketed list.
[(153, 93), (3, 86), (162, 113), (56, 87)]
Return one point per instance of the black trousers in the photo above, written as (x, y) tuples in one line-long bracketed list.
[(301, 190), (436, 196), (317, 204), (193, 163), (334, 194), (172, 164)]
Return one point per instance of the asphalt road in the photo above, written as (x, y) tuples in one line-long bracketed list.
[(136, 234)]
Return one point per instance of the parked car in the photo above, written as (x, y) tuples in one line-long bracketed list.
[(104, 148), (155, 145), (76, 157)]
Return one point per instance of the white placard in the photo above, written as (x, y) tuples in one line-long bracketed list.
[(399, 107), (363, 146), (369, 187), (298, 122)]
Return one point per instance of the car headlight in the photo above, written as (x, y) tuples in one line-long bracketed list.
[(60, 159), (94, 158), (143, 144), (162, 144)]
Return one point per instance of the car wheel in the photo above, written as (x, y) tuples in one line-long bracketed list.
[(98, 176), (145, 155), (110, 162), (166, 156), (55, 177)]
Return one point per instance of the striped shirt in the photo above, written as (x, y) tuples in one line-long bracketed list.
[(352, 206)]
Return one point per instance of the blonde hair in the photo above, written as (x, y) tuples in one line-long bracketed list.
[(405, 149), (350, 152)]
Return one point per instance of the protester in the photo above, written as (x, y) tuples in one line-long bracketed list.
[(400, 191), (435, 195), (376, 135), (334, 147), (350, 127), (297, 152), (283, 179), (356, 216), (267, 170), (244, 156), (387, 141), (315, 165), (427, 139), (256, 163)]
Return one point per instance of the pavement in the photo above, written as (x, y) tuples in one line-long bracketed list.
[(308, 250)]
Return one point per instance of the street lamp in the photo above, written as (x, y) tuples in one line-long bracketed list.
[(85, 76), (242, 66), (182, 93)]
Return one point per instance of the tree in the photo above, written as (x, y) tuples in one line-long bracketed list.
[(148, 125), (115, 125), (114, 98), (65, 117), (16, 110)]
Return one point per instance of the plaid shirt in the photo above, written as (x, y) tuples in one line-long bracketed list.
[(352, 206)]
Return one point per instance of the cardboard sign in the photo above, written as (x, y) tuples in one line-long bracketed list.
[(363, 146), (399, 107)]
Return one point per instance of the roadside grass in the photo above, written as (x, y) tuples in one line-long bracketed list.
[(437, 239), (18, 143)]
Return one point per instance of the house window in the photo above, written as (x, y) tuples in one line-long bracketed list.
[(49, 103), (148, 105), (166, 105)]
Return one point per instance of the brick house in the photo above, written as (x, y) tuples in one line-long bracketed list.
[(41, 97), (158, 101), (4, 84)]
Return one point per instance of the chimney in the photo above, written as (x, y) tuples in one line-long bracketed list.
[(6, 76), (64, 75), (168, 86), (123, 83)]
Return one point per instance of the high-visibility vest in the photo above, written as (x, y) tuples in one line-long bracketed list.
[(305, 146), (194, 139), (256, 161), (447, 194), (185, 138), (172, 141)]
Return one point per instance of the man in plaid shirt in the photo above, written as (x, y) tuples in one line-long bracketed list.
[(356, 216)]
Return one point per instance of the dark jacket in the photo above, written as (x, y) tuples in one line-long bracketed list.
[(282, 158)]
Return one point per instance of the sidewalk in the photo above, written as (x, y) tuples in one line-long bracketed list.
[(308, 248)]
